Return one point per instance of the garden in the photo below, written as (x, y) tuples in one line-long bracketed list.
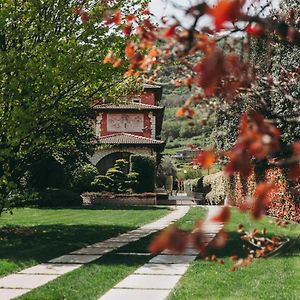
[(53, 232), (231, 75)]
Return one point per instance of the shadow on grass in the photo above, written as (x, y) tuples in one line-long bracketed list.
[(235, 246), (106, 207), (41, 243), (113, 259)]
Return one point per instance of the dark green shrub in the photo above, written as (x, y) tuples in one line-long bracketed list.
[(59, 197), (116, 179), (102, 183), (46, 173), (145, 166), (83, 177), (22, 198)]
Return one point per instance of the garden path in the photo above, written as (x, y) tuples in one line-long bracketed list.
[(157, 278), (20, 283)]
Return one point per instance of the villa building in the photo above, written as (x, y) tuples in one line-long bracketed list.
[(133, 127)]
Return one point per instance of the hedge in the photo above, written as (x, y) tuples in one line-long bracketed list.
[(284, 199), (59, 197), (145, 166)]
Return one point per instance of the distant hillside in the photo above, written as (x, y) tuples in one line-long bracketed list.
[(181, 132)]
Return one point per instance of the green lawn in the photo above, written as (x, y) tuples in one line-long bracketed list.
[(31, 236), (96, 278), (273, 278)]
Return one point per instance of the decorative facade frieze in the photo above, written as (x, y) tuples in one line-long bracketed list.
[(153, 125), (98, 125)]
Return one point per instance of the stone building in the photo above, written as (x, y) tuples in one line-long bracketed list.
[(133, 127)]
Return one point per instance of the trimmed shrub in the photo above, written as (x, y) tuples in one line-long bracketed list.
[(116, 179), (83, 177), (145, 166), (216, 188), (119, 199), (59, 197)]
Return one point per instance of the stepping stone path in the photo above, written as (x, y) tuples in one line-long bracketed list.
[(22, 282), (157, 278)]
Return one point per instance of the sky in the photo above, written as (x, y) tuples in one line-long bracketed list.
[(168, 8)]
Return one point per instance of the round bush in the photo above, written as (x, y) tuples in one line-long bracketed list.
[(145, 166)]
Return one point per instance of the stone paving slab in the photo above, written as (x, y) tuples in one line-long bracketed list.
[(162, 272), (108, 244), (155, 228), (75, 259), (58, 269), (137, 232), (25, 281), (140, 230), (211, 231), (188, 251), (162, 269), (136, 294), (126, 239), (7, 294), (92, 251), (133, 253), (172, 259), (20, 283), (149, 282)]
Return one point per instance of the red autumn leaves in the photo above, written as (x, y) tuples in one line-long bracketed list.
[(185, 112), (294, 170), (172, 238), (222, 12), (260, 201), (226, 11), (83, 14), (177, 240), (206, 159), (263, 245), (257, 138), (209, 72), (142, 55), (219, 73)]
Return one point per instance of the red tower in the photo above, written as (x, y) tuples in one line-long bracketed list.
[(129, 128)]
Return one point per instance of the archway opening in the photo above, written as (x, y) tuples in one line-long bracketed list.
[(109, 160)]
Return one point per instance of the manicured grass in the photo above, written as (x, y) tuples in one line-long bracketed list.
[(273, 278), (31, 236), (90, 281), (96, 278)]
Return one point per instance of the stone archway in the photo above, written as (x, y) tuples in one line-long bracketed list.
[(100, 154), (109, 160)]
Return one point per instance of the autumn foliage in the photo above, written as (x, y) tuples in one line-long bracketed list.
[(210, 71)]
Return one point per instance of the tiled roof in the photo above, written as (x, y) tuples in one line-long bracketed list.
[(127, 138), (129, 106)]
